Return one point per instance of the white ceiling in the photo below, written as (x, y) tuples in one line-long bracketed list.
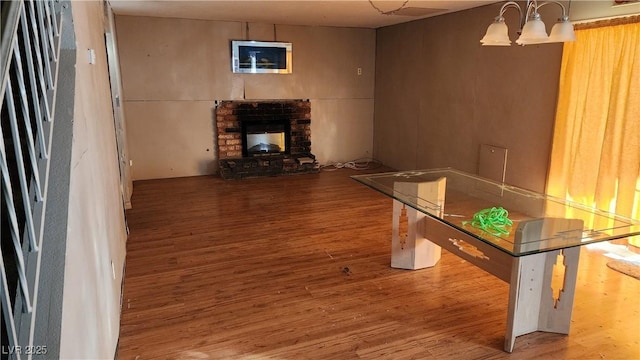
[(343, 13)]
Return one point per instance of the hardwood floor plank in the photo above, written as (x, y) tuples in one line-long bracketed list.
[(298, 267)]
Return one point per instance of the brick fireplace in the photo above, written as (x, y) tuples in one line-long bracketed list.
[(264, 138)]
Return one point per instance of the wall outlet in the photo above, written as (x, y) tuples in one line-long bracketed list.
[(359, 71)]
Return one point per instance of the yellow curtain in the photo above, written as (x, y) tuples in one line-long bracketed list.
[(595, 159)]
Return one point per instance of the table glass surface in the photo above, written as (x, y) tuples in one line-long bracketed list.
[(539, 222)]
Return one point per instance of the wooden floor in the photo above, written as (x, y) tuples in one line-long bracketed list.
[(297, 267)]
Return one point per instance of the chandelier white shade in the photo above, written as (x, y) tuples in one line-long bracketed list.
[(532, 29), (497, 34), (562, 31)]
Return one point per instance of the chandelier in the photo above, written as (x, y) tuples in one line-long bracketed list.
[(532, 29)]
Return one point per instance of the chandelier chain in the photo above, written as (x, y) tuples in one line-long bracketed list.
[(390, 12)]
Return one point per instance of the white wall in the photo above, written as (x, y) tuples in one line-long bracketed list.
[(173, 70), (96, 233)]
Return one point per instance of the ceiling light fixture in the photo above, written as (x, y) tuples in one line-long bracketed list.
[(532, 29)]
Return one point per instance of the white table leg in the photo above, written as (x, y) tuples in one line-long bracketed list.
[(532, 303), (409, 248)]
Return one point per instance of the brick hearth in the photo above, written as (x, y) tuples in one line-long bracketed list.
[(297, 159)]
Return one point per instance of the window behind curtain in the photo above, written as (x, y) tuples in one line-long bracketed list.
[(595, 159)]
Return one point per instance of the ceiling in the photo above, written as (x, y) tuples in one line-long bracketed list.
[(342, 13)]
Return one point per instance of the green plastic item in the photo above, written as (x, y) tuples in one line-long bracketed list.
[(494, 221)]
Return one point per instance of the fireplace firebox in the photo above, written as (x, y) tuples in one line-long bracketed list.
[(266, 137)]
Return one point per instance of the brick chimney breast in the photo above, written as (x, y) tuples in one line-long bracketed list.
[(236, 161)]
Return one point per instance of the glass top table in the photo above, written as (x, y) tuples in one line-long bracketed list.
[(538, 244), (540, 222)]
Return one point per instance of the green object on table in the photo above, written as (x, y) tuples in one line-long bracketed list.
[(492, 220)]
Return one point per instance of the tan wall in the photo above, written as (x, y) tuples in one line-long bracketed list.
[(96, 232), (174, 69), (440, 95)]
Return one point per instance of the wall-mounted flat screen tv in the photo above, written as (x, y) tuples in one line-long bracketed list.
[(261, 57)]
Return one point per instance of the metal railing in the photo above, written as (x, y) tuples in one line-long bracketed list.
[(30, 49)]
